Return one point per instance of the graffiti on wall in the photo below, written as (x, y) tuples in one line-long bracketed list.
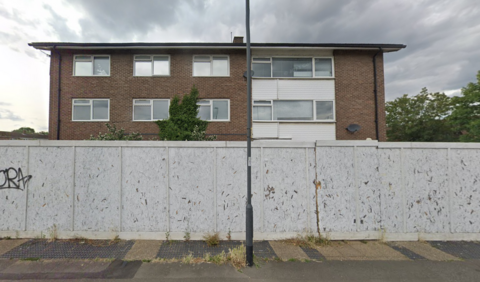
[(11, 178)]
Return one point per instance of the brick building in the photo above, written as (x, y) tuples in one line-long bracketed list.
[(301, 92)]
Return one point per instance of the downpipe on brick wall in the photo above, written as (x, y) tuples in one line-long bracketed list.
[(375, 90), (59, 90)]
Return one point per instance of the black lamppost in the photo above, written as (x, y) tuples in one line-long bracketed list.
[(249, 209)]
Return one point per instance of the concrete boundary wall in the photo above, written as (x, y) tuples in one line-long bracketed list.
[(148, 189)]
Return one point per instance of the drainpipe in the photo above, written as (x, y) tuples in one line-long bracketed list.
[(375, 91), (58, 90)]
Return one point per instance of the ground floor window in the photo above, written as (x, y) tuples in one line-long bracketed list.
[(90, 109), (149, 110), (214, 110)]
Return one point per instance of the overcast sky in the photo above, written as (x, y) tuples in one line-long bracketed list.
[(442, 37)]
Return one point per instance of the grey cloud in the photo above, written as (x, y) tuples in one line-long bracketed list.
[(9, 115)]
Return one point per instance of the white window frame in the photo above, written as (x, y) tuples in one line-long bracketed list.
[(211, 109), (294, 57), (92, 56), (211, 65), (91, 109), (151, 61), (297, 121), (151, 109)]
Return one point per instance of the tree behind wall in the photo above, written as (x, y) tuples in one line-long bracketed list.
[(183, 123), (421, 118)]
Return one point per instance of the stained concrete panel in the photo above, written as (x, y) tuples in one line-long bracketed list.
[(465, 190), (192, 189), (391, 190), (97, 189), (426, 187), (144, 189), (12, 201), (285, 205), (368, 183), (50, 196), (335, 171)]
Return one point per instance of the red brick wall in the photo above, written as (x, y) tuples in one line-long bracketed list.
[(354, 94), (121, 87)]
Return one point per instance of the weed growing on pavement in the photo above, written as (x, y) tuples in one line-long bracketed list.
[(7, 238), (292, 260), (237, 256), (188, 259), (146, 260), (53, 233), (229, 235), (187, 236), (167, 235), (308, 241), (30, 259), (115, 240), (212, 239)]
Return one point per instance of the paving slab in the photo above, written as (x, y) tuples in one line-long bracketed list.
[(7, 245), (56, 266), (143, 249), (355, 250), (426, 250), (461, 249), (288, 251)]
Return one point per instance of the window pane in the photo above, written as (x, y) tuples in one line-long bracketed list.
[(147, 102), (81, 112), (204, 112), (262, 70), (203, 102), (83, 68), (161, 66), (323, 67), (160, 110), (143, 58), (201, 68), (100, 109), (262, 113), (220, 109), (142, 113), (261, 59), (292, 67), (324, 110), (101, 66), (83, 58), (143, 68), (81, 101), (202, 58), (220, 66), (292, 110)]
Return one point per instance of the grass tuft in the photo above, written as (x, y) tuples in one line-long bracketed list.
[(310, 241), (237, 257), (212, 239)]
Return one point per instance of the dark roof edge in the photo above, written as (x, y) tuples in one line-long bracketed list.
[(67, 45)]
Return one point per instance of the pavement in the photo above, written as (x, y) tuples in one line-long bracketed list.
[(105, 260)]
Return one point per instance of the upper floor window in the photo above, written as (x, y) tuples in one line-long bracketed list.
[(293, 110), (95, 65), (90, 109), (211, 65), (214, 110), (292, 67), (146, 110), (146, 65)]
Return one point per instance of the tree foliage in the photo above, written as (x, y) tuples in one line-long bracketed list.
[(420, 118), (114, 134), (465, 117), (183, 123), (24, 130), (435, 117)]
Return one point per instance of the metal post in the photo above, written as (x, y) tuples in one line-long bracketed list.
[(249, 209)]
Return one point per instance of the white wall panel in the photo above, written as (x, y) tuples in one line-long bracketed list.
[(264, 89), (306, 89), (307, 131), (265, 130)]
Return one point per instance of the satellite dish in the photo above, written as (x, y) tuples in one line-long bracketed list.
[(353, 128), (251, 73)]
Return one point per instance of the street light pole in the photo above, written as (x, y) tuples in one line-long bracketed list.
[(249, 209)]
